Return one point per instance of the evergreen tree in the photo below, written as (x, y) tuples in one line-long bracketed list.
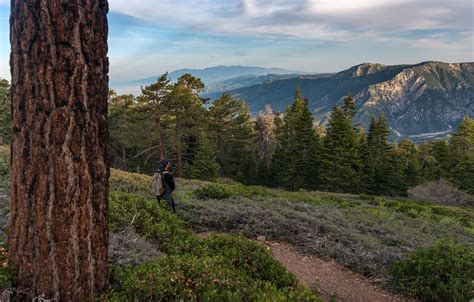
[(349, 107), (462, 150), (378, 161), (152, 98), (204, 166), (184, 118), (233, 132), (408, 154), (297, 155), (341, 159)]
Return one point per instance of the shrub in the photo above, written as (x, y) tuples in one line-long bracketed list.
[(441, 192), (213, 191), (192, 278), (226, 190), (127, 247), (151, 220), (443, 272), (250, 258), (129, 182)]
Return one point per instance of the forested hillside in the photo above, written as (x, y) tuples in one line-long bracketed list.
[(420, 101)]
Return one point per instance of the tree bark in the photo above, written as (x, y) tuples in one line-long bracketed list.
[(58, 233)]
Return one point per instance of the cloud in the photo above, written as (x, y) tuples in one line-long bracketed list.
[(334, 20)]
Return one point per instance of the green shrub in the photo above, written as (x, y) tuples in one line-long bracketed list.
[(213, 191), (152, 221), (129, 182), (226, 190), (443, 272), (192, 278), (250, 258)]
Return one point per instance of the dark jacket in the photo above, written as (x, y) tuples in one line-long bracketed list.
[(168, 181)]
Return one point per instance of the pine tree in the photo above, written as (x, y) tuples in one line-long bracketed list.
[(341, 154), (462, 150), (153, 96), (408, 154), (58, 233), (204, 166), (184, 119), (297, 154), (378, 159), (349, 107), (233, 131)]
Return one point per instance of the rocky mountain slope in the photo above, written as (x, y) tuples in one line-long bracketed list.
[(425, 100)]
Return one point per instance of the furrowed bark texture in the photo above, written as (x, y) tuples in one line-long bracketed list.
[(60, 167)]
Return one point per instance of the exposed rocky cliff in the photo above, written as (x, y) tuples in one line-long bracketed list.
[(425, 100)]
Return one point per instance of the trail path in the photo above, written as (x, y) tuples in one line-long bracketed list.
[(328, 276), (331, 278)]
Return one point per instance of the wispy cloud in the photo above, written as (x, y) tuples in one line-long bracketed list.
[(308, 19)]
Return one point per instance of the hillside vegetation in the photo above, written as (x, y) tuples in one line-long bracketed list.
[(367, 234)]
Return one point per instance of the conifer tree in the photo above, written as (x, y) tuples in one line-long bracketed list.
[(408, 154), (185, 117), (233, 131), (385, 170), (462, 150), (204, 166), (153, 96), (297, 154), (339, 162), (58, 233), (349, 107)]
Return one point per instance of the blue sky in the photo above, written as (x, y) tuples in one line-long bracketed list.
[(149, 37)]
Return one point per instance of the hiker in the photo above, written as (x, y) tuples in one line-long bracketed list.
[(167, 184)]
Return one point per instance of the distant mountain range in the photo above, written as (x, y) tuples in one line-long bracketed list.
[(211, 76), (422, 101)]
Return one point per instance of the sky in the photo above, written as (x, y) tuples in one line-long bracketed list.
[(150, 37)]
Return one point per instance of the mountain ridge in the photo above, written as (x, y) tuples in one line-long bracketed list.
[(426, 98)]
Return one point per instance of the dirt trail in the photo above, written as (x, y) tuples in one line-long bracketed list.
[(329, 277)]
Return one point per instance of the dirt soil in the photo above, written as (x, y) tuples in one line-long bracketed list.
[(330, 278)]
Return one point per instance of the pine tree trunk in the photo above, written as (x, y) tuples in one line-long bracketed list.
[(60, 163), (161, 153)]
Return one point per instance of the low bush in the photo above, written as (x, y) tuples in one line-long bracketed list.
[(129, 182), (250, 258), (440, 192), (442, 272), (213, 191), (152, 221), (367, 239), (192, 278), (226, 190), (127, 247)]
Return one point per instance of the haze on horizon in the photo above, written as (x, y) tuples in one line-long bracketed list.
[(148, 37)]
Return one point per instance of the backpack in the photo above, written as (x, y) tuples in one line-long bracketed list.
[(157, 184)]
